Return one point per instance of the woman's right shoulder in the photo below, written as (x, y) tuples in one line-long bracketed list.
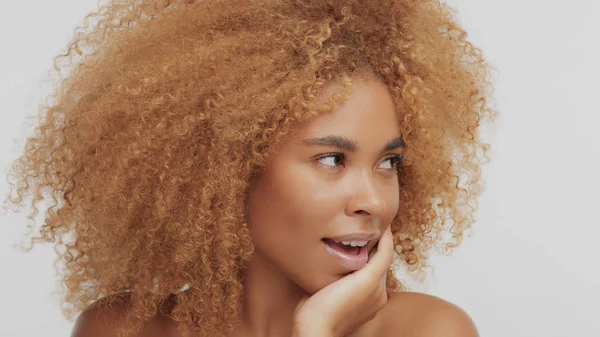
[(100, 319)]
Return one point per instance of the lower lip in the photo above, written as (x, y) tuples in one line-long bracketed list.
[(350, 261)]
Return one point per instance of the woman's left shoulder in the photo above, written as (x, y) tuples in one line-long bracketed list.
[(415, 314)]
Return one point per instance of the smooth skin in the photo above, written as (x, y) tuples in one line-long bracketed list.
[(368, 290), (334, 176)]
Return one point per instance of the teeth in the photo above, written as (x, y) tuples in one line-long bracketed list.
[(354, 243)]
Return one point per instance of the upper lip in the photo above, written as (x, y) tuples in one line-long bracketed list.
[(359, 236)]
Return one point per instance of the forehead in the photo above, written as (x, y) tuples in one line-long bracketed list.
[(369, 114)]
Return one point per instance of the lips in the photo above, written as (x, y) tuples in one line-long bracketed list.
[(352, 258), (355, 237)]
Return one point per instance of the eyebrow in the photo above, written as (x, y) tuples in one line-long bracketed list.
[(348, 144)]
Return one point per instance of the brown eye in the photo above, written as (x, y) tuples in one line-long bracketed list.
[(331, 160), (394, 162)]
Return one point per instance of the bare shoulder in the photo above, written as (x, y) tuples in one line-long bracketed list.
[(414, 315), (100, 319)]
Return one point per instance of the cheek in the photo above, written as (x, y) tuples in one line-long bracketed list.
[(292, 211), (279, 209), (393, 210), (298, 193), (392, 201), (287, 225)]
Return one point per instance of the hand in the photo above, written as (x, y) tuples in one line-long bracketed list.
[(345, 305)]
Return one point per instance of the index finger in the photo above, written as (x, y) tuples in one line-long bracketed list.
[(382, 259)]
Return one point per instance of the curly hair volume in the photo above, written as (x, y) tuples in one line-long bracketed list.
[(171, 106)]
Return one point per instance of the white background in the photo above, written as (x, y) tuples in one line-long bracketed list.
[(531, 266)]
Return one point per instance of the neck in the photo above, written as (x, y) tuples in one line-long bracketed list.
[(269, 302)]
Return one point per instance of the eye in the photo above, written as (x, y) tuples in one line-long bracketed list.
[(331, 160), (394, 162), (336, 159)]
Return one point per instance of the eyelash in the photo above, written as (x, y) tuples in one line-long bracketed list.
[(396, 160)]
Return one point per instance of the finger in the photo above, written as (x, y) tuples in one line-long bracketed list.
[(372, 252), (382, 259), (299, 305), (383, 280), (383, 285)]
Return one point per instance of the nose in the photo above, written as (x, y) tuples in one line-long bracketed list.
[(366, 197)]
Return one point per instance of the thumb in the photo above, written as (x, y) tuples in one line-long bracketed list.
[(299, 305)]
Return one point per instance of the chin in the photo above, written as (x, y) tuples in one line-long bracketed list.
[(315, 284)]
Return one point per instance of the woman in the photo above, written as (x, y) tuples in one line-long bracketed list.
[(249, 168)]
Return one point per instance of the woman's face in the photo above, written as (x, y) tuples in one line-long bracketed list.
[(333, 177)]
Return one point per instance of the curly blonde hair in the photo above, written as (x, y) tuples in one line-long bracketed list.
[(170, 107)]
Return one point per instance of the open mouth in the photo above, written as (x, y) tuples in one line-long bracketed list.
[(353, 256), (344, 248)]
